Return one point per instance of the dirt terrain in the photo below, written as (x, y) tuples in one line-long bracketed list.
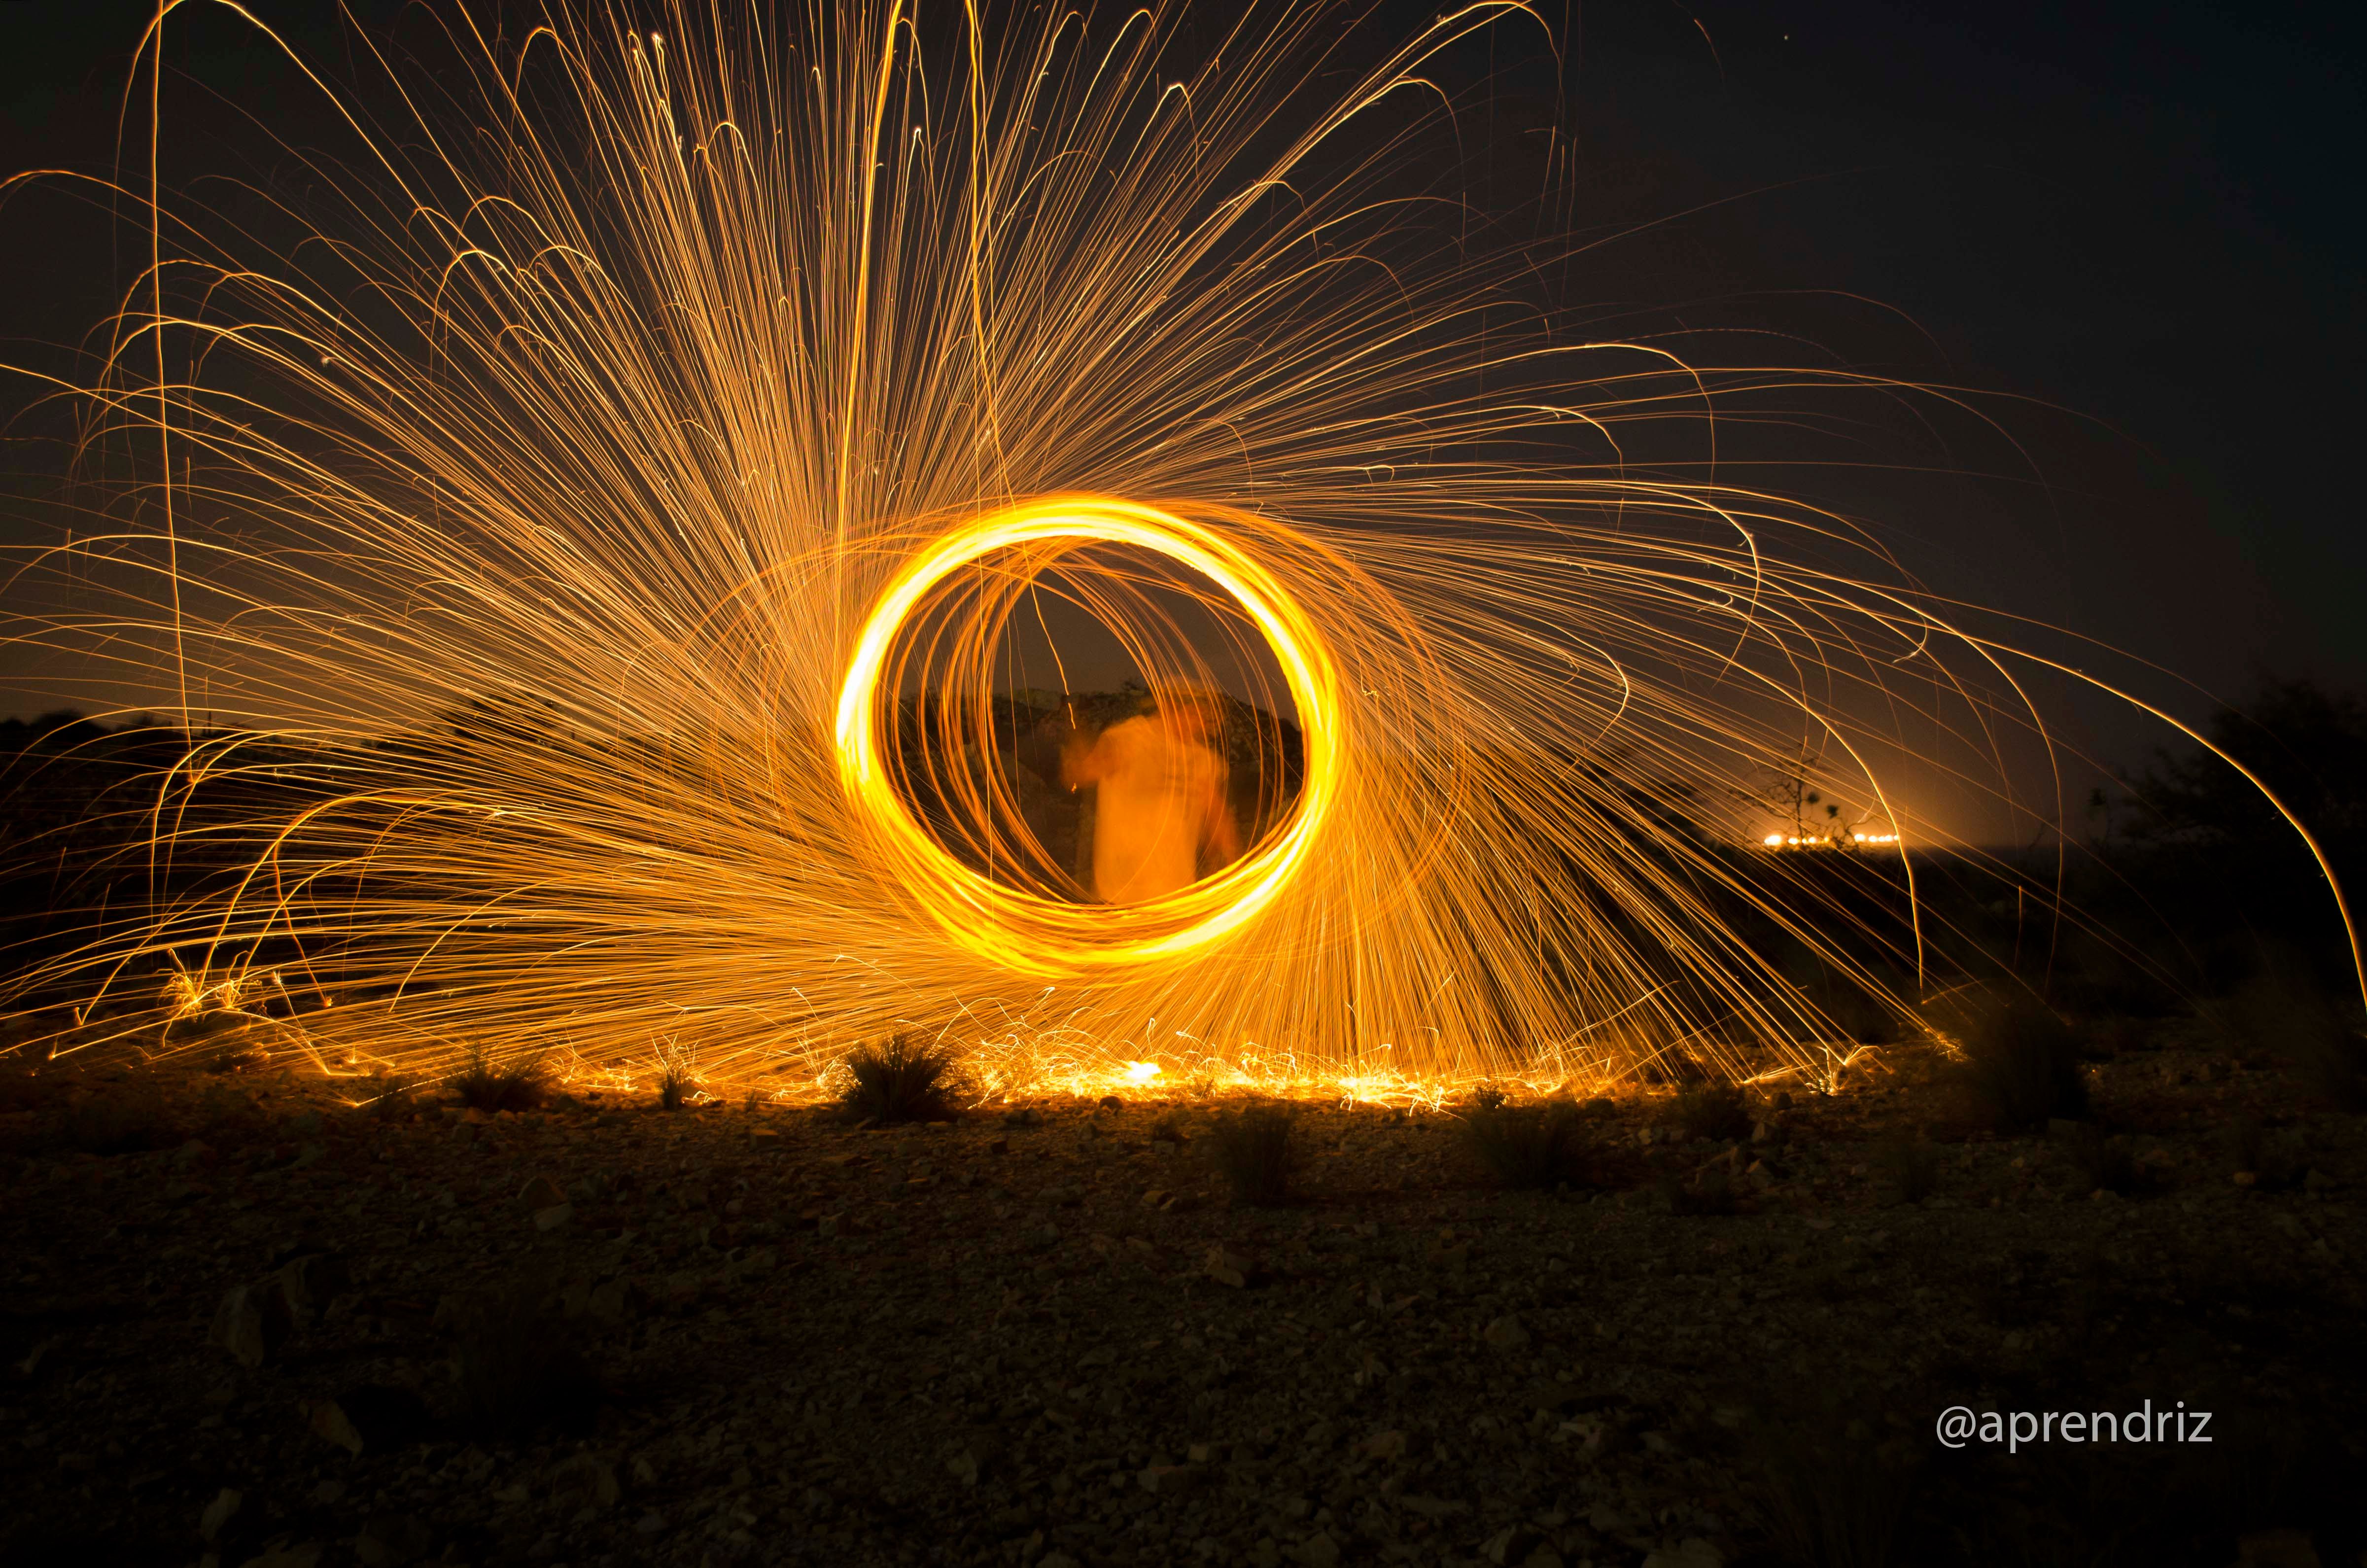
[(292, 1332)]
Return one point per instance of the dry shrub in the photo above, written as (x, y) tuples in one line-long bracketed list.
[(516, 1363), (1835, 1494), (1712, 1110), (520, 1083), (389, 1098), (1528, 1147), (2020, 1068), (904, 1080), (2284, 1010), (1256, 1153)]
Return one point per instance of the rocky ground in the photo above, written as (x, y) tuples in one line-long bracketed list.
[(296, 1333)]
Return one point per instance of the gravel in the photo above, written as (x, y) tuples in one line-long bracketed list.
[(1048, 1338)]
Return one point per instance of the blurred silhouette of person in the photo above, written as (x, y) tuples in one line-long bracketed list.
[(1162, 804)]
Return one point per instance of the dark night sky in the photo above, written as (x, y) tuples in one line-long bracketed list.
[(2137, 218)]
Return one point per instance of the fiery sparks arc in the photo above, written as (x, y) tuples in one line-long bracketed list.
[(1025, 931), (539, 491)]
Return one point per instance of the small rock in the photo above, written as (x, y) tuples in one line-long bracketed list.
[(388, 1539), (1507, 1332), (1691, 1553), (584, 1480), (220, 1512), (1228, 1267), (1111, 1102), (971, 1459), (541, 1193), (652, 1523), (1384, 1446), (331, 1423), (1056, 1560), (372, 1417), (1431, 1508), (1172, 1479), (553, 1217), (308, 1284), (1510, 1545), (2277, 1549), (328, 1494), (252, 1322), (1318, 1551), (296, 1554)]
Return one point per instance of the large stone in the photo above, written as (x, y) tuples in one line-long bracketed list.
[(1507, 1332), (331, 1423), (252, 1322), (308, 1284), (220, 1512)]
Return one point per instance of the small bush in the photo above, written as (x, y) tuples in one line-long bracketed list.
[(388, 1096), (517, 1366), (673, 1083), (2333, 1063), (2284, 1010), (520, 1083), (904, 1080), (1489, 1097), (2020, 1068), (1907, 1168), (1256, 1155), (1836, 1496), (1527, 1147), (1716, 1111)]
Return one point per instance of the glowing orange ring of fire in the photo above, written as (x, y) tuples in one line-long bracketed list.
[(1023, 931)]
